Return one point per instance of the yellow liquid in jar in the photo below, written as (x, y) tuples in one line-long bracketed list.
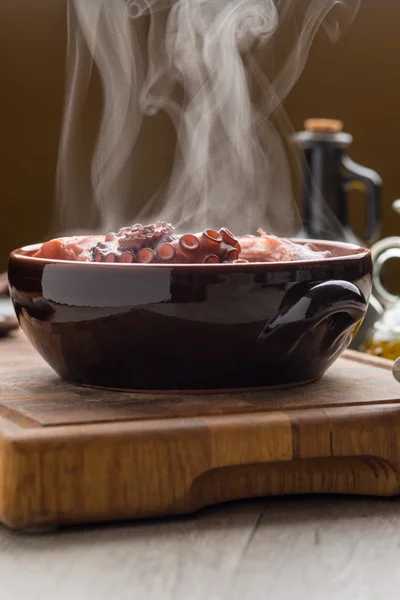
[(388, 349)]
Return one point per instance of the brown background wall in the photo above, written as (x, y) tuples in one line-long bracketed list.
[(356, 81)]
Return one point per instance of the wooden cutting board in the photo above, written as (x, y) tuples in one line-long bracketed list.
[(73, 455)]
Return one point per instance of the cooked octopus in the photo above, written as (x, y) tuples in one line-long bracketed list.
[(158, 243)]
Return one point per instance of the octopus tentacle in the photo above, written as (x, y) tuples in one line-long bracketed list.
[(209, 246), (157, 243)]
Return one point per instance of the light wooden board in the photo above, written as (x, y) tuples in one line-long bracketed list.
[(74, 455)]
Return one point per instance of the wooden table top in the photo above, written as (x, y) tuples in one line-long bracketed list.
[(298, 548)]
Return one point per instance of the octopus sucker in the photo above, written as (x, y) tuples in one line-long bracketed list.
[(127, 257), (212, 235), (211, 258), (158, 243), (233, 255), (146, 255), (165, 252), (189, 241), (229, 238)]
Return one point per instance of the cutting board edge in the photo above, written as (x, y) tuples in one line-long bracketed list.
[(216, 459)]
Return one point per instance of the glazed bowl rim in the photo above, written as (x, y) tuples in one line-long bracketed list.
[(356, 252)]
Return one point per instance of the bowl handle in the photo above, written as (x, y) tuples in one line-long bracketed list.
[(303, 308)]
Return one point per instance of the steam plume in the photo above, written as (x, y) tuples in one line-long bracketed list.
[(199, 61)]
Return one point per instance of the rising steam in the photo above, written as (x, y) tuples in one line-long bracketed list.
[(199, 61)]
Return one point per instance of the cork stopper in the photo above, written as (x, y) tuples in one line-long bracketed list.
[(323, 126)]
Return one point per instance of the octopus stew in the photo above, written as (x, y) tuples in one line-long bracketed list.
[(159, 243)]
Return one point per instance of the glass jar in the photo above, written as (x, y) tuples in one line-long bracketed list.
[(384, 337)]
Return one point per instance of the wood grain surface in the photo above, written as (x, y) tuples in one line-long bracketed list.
[(73, 455), (297, 548)]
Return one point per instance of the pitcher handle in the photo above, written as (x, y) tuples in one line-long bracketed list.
[(381, 252), (371, 183)]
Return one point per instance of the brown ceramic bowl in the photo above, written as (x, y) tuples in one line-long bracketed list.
[(199, 327)]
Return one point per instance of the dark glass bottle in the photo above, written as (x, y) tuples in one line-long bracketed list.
[(328, 175)]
